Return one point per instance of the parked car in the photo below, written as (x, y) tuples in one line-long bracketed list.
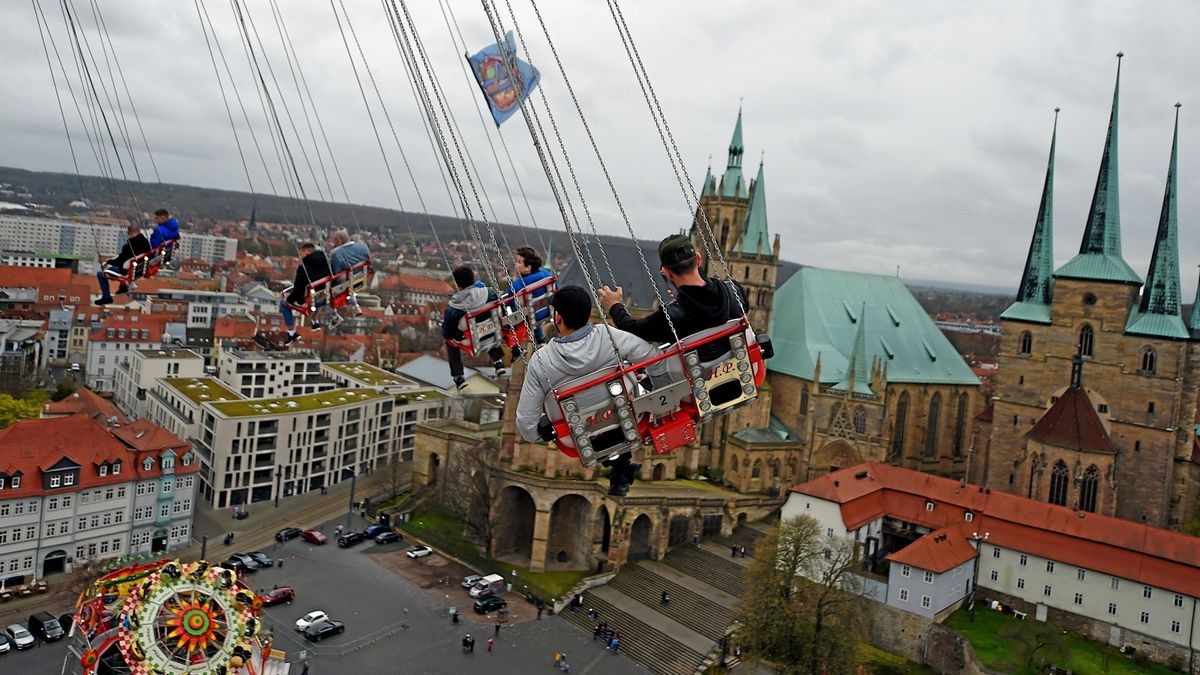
[(310, 618), (20, 637), (247, 560), (236, 564), (349, 539), (418, 551), (45, 626), (388, 537), (469, 580), (5, 645), (277, 596), (287, 533), (323, 629), (313, 537), (373, 531), (489, 603), (492, 584), (262, 559)]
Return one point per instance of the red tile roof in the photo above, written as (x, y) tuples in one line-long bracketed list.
[(85, 401), (1121, 548), (234, 327), (1072, 423), (415, 282), (146, 436), (939, 551), (12, 276), (134, 325)]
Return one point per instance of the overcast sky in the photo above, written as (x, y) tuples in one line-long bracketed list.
[(911, 134)]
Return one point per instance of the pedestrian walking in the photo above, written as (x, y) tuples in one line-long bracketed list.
[(539, 614), (733, 551), (557, 658), (305, 671), (497, 627), (592, 614), (614, 644), (596, 633), (281, 563), (565, 667), (743, 551), (666, 598), (491, 642)]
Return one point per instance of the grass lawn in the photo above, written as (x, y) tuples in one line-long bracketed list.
[(443, 530), (1078, 653), (879, 662)]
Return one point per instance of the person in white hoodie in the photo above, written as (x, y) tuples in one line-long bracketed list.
[(579, 349), (470, 296)]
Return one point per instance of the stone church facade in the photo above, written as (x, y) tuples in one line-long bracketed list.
[(1099, 373)]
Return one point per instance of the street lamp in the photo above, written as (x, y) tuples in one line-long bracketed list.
[(975, 536), (350, 506)]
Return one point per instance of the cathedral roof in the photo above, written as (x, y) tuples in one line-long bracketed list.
[(732, 183), (1034, 295), (755, 239), (1160, 313), (817, 313), (1072, 423), (1099, 256)]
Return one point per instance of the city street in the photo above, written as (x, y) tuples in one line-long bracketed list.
[(392, 624)]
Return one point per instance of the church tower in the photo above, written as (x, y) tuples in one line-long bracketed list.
[(737, 214)]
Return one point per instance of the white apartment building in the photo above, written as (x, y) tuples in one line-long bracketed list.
[(936, 539), (364, 375), (73, 489), (113, 343), (176, 403), (256, 449), (132, 381), (257, 374), (205, 307), (45, 236)]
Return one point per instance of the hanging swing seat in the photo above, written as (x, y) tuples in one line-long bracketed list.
[(484, 329), (532, 302), (610, 412), (144, 265), (334, 290)]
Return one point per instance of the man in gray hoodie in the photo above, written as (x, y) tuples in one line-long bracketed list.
[(470, 296), (579, 349)]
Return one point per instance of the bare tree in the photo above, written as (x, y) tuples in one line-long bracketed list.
[(391, 478), (801, 607), (470, 489)]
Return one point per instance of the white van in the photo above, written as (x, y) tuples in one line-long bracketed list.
[(492, 584)]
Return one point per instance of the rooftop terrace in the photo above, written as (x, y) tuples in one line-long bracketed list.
[(372, 375), (201, 389), (295, 404)]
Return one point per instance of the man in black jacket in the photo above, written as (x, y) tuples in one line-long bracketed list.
[(700, 302), (136, 245), (314, 266)]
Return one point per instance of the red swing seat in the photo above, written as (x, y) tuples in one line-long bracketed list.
[(334, 290), (144, 265)]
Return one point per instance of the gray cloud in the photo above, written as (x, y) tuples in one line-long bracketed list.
[(911, 134)]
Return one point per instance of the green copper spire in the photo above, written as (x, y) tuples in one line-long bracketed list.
[(1100, 252), (858, 379), (732, 184), (1159, 311), (707, 189), (755, 239), (1194, 320), (1033, 296)]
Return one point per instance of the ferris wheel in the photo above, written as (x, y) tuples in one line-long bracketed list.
[(184, 618)]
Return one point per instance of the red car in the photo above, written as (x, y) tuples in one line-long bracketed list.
[(313, 537), (283, 594)]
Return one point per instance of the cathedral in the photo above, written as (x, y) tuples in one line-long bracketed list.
[(1096, 400)]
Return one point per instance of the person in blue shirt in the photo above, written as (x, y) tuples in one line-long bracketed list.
[(529, 267), (165, 229), (346, 254)]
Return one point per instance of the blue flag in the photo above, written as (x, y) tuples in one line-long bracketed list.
[(502, 94)]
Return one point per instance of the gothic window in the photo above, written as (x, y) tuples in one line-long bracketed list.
[(1088, 489), (1149, 361), (775, 468), (724, 232), (1087, 340), (898, 429), (860, 420), (960, 425), (756, 471), (734, 466), (764, 274), (1025, 343), (804, 400), (1059, 478), (746, 274), (931, 429)]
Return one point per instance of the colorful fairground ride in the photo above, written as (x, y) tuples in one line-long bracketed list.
[(172, 617)]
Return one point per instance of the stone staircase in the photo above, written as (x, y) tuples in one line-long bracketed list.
[(704, 583)]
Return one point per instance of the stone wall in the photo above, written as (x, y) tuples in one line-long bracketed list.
[(921, 640)]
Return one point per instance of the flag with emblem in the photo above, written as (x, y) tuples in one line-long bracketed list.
[(496, 79)]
